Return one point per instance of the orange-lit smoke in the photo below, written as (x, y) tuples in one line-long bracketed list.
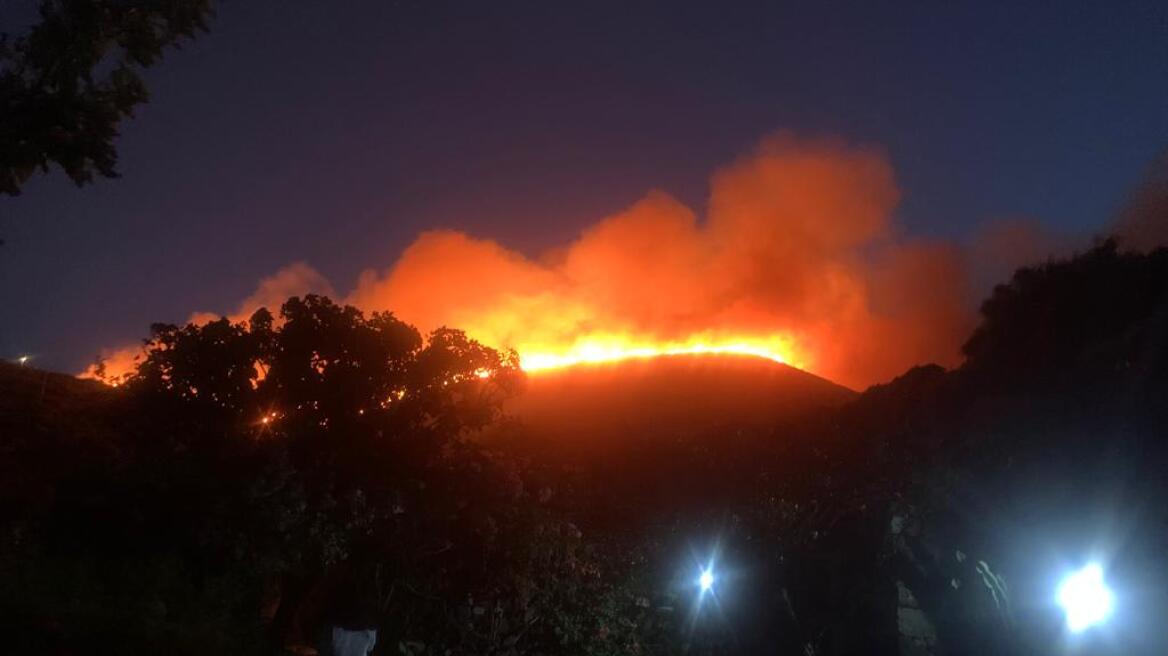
[(796, 258), (296, 279)]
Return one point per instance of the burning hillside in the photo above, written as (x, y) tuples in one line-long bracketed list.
[(796, 259), (598, 404)]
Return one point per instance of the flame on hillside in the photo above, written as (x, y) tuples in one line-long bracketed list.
[(612, 348), (796, 259)]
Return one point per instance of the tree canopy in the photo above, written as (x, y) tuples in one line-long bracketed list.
[(324, 465), (66, 85), (1072, 313)]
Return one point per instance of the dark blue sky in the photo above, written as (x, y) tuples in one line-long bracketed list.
[(333, 132)]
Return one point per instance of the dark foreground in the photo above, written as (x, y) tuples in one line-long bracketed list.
[(370, 478)]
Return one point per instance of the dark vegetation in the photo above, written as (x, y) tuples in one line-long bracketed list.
[(254, 480)]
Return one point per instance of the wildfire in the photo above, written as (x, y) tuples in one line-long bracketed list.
[(612, 348), (600, 349), (795, 259)]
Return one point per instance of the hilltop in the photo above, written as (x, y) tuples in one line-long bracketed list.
[(595, 403)]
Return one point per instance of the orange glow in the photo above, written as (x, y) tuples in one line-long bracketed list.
[(794, 258)]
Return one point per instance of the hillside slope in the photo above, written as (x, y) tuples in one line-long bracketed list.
[(50, 425), (669, 395)]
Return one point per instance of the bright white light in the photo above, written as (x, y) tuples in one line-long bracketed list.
[(22, 360), (1085, 598), (706, 580)]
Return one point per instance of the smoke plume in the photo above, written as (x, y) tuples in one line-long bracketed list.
[(796, 253), (296, 279)]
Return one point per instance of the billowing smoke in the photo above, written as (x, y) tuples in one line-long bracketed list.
[(797, 242), (796, 253), (296, 279)]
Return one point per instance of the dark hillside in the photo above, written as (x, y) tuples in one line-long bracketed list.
[(595, 404), (1045, 450), (50, 424), (50, 403)]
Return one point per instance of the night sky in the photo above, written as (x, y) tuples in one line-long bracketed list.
[(332, 133)]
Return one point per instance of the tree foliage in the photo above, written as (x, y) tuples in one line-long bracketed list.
[(322, 464), (1073, 313), (67, 84)]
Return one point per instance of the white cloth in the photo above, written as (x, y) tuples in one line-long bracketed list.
[(352, 643)]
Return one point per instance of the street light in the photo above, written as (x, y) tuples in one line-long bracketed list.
[(1085, 598), (706, 580)]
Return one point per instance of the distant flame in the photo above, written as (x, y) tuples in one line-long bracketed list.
[(612, 348)]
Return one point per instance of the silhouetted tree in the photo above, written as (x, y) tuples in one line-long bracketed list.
[(66, 85), (328, 457), (1073, 313)]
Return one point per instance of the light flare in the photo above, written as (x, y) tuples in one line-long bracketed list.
[(706, 580), (1085, 598)]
